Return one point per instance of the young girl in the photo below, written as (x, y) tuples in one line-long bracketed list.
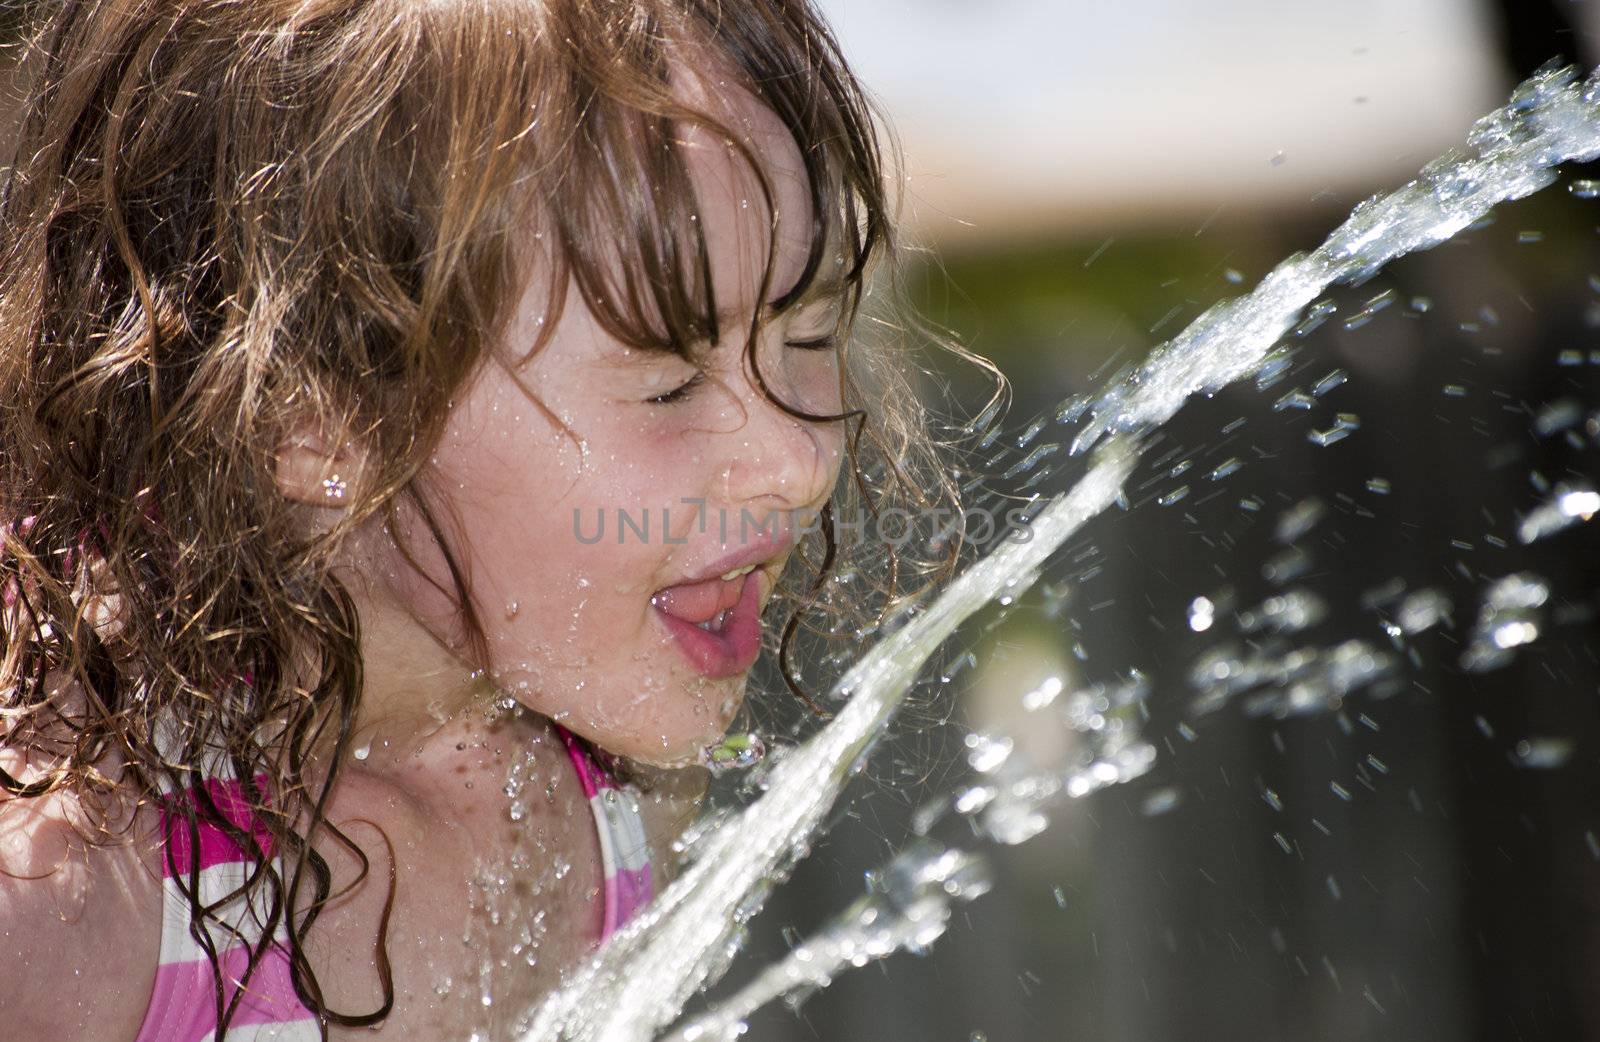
[(328, 330)]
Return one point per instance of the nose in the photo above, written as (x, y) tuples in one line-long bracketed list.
[(768, 458)]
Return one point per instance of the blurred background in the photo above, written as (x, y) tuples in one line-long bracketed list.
[(1422, 860)]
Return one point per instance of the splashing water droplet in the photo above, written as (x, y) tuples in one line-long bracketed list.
[(1567, 507), (1042, 695), (1225, 469), (1423, 610), (735, 753), (1343, 424), (1177, 495), (1557, 416), (1295, 399), (1161, 801), (986, 754), (1510, 618), (1298, 520), (1334, 379), (1543, 753)]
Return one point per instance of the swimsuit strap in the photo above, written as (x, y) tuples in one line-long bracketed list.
[(205, 857), (624, 850), (183, 1001)]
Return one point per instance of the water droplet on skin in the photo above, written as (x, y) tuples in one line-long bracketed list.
[(361, 752)]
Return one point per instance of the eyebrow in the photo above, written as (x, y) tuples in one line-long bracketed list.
[(822, 286), (831, 284)]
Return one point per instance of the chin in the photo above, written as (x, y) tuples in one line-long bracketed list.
[(670, 733), (673, 743), (673, 749)]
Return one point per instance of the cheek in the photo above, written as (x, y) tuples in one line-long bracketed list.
[(813, 381), (563, 563)]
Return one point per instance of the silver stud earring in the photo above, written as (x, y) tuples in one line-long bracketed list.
[(334, 487)]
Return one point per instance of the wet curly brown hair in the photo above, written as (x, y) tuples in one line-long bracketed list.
[(227, 216)]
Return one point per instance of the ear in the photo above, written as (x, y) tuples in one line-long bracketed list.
[(316, 470)]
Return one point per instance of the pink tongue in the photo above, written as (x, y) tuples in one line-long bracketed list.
[(699, 602)]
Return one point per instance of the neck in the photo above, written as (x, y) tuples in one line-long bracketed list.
[(414, 688)]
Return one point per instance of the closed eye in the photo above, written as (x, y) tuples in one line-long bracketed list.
[(826, 342), (821, 343), (679, 393)]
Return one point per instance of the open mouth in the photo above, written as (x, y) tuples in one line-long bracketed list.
[(715, 623)]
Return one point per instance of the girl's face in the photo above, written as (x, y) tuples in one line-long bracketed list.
[(579, 548)]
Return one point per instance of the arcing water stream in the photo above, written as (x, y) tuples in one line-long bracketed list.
[(639, 982)]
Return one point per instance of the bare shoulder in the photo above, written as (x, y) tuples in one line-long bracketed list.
[(66, 904), (496, 878)]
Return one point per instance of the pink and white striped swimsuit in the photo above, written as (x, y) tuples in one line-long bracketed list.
[(183, 1002)]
